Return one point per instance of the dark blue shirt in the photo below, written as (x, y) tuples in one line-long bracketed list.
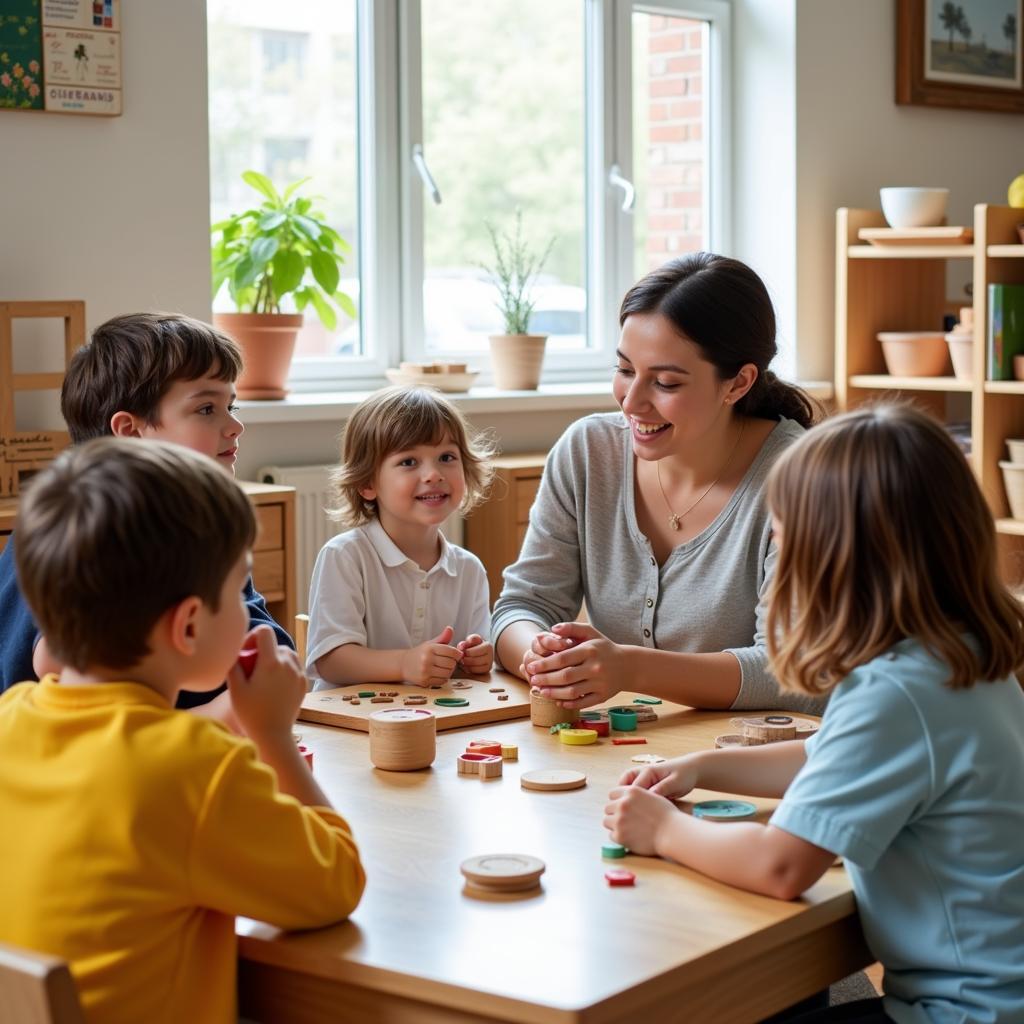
[(18, 630)]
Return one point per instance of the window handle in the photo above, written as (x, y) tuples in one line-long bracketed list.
[(616, 180), (424, 172)]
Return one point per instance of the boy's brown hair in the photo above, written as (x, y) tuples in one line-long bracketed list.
[(394, 420), (885, 535), (117, 531), (131, 361)]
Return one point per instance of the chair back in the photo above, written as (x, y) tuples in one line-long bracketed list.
[(37, 989)]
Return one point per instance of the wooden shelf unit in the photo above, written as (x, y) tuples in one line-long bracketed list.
[(880, 289), (495, 530)]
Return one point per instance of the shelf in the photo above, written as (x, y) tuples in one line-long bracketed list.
[(1010, 526), (1006, 250), (914, 252), (1004, 387), (884, 382)]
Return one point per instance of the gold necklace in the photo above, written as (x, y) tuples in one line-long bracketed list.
[(675, 522)]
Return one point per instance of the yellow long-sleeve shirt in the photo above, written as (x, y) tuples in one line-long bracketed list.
[(133, 834)]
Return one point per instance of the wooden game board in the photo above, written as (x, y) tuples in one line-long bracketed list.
[(327, 707)]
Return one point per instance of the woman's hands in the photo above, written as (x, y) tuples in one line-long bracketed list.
[(576, 665)]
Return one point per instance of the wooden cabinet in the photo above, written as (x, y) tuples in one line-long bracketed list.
[(903, 288), (495, 530), (273, 555)]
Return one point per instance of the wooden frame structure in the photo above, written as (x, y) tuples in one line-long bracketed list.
[(29, 451)]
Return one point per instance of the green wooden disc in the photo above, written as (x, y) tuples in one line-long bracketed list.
[(451, 702)]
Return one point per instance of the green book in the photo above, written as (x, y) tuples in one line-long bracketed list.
[(1005, 329)]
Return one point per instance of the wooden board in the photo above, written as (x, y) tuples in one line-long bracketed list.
[(917, 236), (327, 707)]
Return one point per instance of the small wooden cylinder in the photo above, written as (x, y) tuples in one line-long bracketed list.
[(546, 713), (403, 739), (767, 729)]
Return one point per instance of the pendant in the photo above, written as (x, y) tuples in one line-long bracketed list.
[(673, 521)]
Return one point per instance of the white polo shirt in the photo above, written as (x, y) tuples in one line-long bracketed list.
[(366, 591)]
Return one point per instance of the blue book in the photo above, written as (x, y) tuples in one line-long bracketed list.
[(1005, 329)]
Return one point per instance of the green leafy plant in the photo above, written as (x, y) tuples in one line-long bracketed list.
[(281, 247), (516, 264)]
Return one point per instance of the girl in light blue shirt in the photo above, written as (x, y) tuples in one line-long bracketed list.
[(887, 597)]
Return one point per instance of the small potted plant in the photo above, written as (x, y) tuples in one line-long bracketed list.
[(283, 247), (516, 356)]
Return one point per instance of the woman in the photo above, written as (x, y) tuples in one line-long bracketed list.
[(655, 517)]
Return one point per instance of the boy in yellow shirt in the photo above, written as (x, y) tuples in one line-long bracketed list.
[(133, 833)]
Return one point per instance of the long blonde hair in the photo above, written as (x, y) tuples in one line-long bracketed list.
[(884, 535), (393, 420)]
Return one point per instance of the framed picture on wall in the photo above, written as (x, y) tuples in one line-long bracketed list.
[(960, 53)]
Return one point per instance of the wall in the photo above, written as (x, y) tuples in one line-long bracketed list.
[(852, 138), (115, 210)]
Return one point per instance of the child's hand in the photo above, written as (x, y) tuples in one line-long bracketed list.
[(477, 655), (432, 662), (670, 779), (638, 818), (267, 701)]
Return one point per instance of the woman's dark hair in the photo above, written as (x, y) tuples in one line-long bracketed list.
[(723, 307)]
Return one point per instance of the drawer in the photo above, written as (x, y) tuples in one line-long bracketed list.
[(268, 574), (270, 528), (526, 491)]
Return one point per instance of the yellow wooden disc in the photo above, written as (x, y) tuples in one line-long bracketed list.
[(578, 737)]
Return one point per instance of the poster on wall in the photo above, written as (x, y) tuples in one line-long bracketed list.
[(61, 56)]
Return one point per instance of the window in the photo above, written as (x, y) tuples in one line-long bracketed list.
[(603, 121)]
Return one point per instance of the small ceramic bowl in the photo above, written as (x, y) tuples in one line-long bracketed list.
[(1015, 447), (915, 353), (914, 207)]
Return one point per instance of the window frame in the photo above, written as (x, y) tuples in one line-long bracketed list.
[(391, 195)]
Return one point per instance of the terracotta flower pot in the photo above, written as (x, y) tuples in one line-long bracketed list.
[(517, 360), (267, 341)]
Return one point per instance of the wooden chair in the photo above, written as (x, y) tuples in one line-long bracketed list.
[(301, 632), (37, 989)]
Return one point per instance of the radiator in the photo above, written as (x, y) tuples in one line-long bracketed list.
[(312, 527)]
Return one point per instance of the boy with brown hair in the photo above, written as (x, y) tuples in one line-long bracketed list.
[(143, 831), (159, 375)]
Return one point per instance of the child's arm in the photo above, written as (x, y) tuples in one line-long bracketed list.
[(429, 663), (267, 703), (752, 771), (763, 859), (478, 654), (760, 858)]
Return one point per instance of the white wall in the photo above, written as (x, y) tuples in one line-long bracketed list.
[(852, 138), (115, 210)]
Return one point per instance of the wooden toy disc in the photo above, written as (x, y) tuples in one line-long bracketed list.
[(647, 759), (551, 779), (509, 872)]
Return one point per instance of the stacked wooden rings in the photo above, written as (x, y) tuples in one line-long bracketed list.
[(546, 713), (766, 729), (403, 739)]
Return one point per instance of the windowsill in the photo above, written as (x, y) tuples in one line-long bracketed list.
[(307, 407)]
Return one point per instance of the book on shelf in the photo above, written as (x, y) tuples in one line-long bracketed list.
[(1005, 329)]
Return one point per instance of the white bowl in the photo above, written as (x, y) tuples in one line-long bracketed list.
[(914, 207)]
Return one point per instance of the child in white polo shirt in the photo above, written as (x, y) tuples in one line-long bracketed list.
[(391, 600)]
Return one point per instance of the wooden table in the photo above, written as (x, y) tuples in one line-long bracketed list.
[(677, 947)]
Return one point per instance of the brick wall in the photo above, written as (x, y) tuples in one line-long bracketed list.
[(675, 146)]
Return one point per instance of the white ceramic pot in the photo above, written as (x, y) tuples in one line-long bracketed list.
[(914, 207)]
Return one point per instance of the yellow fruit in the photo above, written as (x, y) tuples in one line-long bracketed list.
[(1016, 191)]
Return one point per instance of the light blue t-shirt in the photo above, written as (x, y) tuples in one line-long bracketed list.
[(920, 788)]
